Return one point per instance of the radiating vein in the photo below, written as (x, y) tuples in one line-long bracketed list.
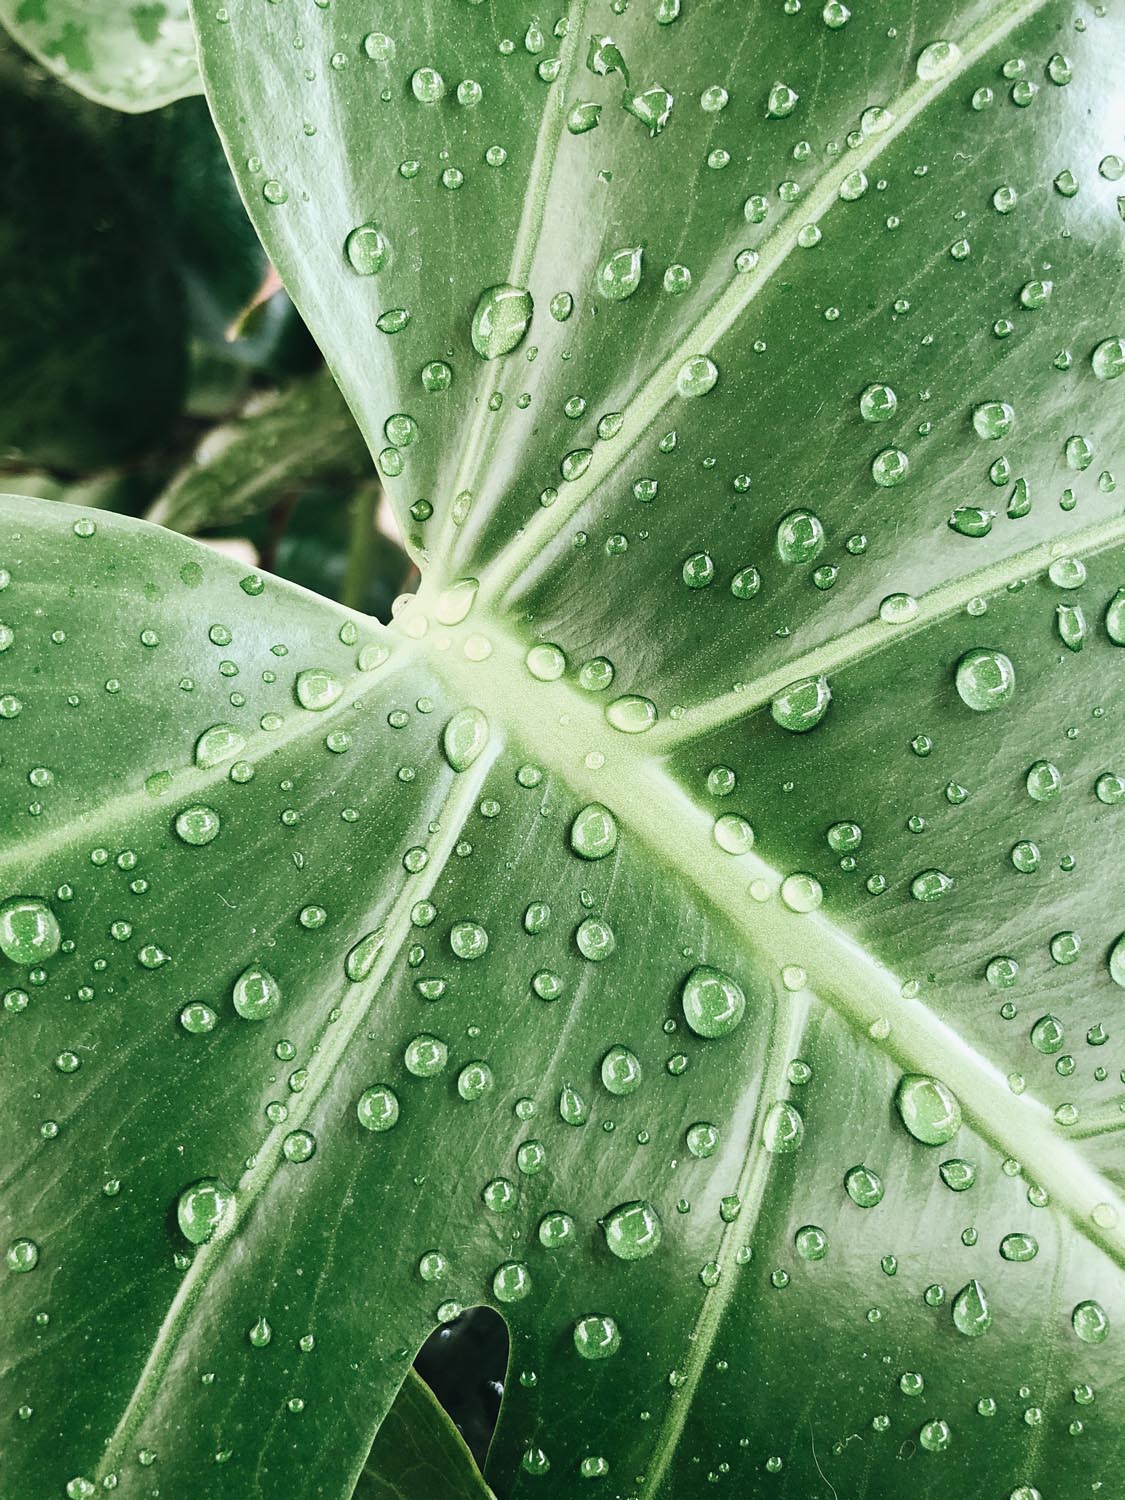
[(333, 1043), (475, 453), (877, 634), (510, 566)]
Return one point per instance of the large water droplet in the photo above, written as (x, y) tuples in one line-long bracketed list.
[(1090, 1322), (29, 931), (970, 1310), (377, 1108), (257, 995), (203, 1208), (596, 1337), (501, 320), (633, 1230), (865, 1187), (361, 959), (317, 688), (222, 742), (929, 1110), (464, 738), (802, 705), (783, 1129), (621, 1071), (985, 679), (366, 249), (593, 834), (713, 1002), (620, 276), (197, 825)]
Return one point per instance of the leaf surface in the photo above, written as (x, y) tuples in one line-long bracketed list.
[(808, 1268), (127, 55), (418, 1451)]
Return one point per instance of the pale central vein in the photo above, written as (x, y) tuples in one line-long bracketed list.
[(503, 573), (561, 727)]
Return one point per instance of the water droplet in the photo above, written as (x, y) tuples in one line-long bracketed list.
[(425, 1056), (985, 679), (361, 959), (865, 1186), (929, 1110), (936, 60), (632, 1230), (733, 834), (29, 931), (464, 738), (801, 892), (317, 689), (593, 834), (878, 403), (1090, 1322), (632, 714), (702, 1139), (697, 376), (783, 1129), (298, 1145), (257, 995), (260, 1333), (1115, 618), (377, 1108), (596, 1337), (890, 467), (781, 101), (1108, 359), (512, 1282), (203, 1208), (800, 537), (501, 320), (220, 743), (1019, 1247), (197, 825), (713, 1002), (620, 275), (802, 705), (427, 85), (971, 1315), (367, 249), (621, 1071), (22, 1255)]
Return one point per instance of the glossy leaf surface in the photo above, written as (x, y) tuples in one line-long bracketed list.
[(750, 1017), (418, 1451), (121, 53)]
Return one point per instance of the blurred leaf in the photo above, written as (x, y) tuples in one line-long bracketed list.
[(132, 55), (418, 1454), (93, 337), (285, 438)]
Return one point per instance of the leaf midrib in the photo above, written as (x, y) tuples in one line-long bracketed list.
[(560, 726), (508, 568)]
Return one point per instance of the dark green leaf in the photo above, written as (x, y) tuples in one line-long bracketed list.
[(817, 1266), (133, 55), (418, 1452)]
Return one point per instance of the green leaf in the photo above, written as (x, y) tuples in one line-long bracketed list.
[(93, 339), (694, 877), (418, 1451), (132, 55), (300, 433)]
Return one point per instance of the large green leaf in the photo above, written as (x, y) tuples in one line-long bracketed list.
[(417, 1452), (833, 1289), (132, 55)]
